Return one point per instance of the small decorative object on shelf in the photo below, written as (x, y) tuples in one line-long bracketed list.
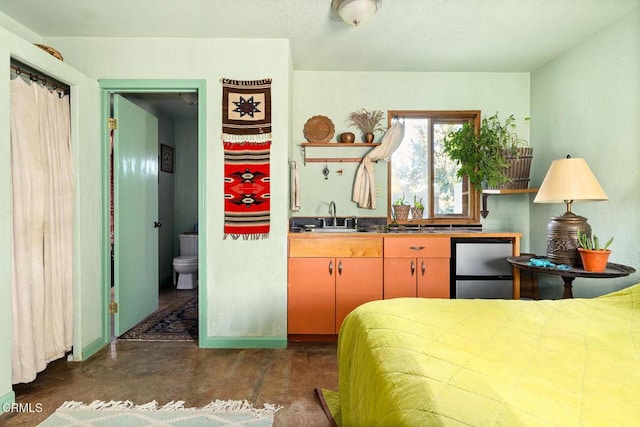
[(319, 129), (368, 122), (347, 137), (593, 257), (51, 51)]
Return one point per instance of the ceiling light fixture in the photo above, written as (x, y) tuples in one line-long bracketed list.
[(356, 12)]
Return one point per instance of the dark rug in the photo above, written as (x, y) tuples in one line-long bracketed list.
[(174, 322)]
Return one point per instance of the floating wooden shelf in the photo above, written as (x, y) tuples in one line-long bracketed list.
[(306, 160), (486, 193), (338, 144)]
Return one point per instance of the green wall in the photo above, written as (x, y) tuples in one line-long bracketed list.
[(336, 94), (246, 284), (587, 103), (186, 178)]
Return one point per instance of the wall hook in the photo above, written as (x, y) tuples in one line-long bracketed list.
[(325, 172)]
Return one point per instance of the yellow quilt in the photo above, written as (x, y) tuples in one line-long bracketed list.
[(432, 362)]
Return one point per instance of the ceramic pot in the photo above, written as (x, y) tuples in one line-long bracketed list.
[(347, 137), (594, 261), (369, 137)]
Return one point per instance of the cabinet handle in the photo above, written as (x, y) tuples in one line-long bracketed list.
[(416, 248), (413, 267), (423, 268), (340, 267), (331, 268)]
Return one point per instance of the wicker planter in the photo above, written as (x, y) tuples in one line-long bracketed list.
[(518, 170), (401, 212), (416, 213)]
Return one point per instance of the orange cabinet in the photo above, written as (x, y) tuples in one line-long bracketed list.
[(416, 267), (358, 280), (312, 296), (328, 278)]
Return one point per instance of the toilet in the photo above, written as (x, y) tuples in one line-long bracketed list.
[(185, 266)]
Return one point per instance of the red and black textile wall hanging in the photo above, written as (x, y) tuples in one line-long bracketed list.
[(246, 136)]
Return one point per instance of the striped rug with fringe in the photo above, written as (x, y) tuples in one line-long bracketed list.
[(238, 413)]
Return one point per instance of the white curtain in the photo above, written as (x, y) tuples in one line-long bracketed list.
[(42, 183), (364, 189)]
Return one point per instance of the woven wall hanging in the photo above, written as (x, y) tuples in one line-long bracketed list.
[(246, 136)]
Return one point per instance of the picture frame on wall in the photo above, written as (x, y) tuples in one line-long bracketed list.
[(166, 158)]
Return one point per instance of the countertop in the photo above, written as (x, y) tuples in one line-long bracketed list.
[(447, 232)]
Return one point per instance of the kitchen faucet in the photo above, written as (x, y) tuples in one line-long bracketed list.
[(332, 212)]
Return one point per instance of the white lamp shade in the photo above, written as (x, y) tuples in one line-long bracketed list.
[(569, 180), (356, 12)]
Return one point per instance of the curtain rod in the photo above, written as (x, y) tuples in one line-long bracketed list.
[(36, 76)]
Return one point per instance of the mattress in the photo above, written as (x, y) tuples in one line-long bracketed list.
[(435, 362)]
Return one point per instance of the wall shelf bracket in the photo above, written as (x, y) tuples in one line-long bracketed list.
[(486, 193)]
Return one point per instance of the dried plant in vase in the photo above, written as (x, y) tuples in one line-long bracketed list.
[(368, 122)]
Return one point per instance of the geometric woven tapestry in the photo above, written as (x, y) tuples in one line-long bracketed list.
[(246, 136)]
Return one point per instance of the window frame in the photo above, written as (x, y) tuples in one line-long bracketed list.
[(473, 218)]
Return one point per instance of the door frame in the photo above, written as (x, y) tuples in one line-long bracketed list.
[(107, 87)]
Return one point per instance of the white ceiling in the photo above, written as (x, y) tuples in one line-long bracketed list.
[(405, 35)]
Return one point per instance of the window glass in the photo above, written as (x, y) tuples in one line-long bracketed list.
[(421, 174)]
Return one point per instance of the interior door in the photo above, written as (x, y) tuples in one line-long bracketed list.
[(136, 213)]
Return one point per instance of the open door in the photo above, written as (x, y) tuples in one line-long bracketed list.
[(136, 214)]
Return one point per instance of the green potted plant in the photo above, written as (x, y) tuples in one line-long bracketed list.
[(594, 258), (368, 122), (401, 209), (487, 157), (417, 210)]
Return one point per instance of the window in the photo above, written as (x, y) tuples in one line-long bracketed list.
[(421, 171)]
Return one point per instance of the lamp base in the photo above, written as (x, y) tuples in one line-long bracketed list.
[(562, 238)]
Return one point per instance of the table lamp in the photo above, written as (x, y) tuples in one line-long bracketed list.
[(568, 180)]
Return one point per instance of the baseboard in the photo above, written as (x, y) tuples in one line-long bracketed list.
[(6, 401), (91, 349), (243, 342)]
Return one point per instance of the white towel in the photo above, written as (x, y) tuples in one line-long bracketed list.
[(295, 187)]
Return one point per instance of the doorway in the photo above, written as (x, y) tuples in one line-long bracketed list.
[(179, 166)]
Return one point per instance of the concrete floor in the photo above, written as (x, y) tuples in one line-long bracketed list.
[(166, 371), (146, 371)]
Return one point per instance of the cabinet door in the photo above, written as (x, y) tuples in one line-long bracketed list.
[(358, 280), (311, 303), (400, 277), (433, 277)]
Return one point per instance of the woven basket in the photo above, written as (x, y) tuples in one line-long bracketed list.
[(518, 170), (51, 51), (416, 213), (401, 212)]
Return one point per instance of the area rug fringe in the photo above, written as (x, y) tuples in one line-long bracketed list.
[(175, 405)]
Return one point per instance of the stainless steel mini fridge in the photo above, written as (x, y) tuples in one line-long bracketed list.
[(480, 269)]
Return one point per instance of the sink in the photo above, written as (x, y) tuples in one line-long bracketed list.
[(334, 230)]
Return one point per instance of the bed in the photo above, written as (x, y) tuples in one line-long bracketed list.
[(435, 362)]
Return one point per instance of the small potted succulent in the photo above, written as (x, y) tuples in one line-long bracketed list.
[(368, 122), (417, 210), (401, 209), (594, 258)]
